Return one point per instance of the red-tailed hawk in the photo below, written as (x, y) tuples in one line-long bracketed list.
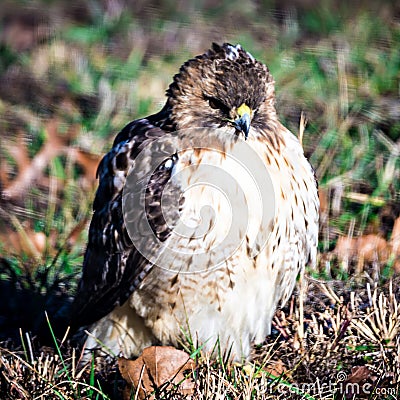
[(206, 213)]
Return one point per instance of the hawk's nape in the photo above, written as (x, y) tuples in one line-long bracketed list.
[(204, 216)]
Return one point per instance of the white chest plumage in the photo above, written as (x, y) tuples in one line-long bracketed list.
[(241, 240)]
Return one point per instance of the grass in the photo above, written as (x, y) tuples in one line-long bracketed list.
[(342, 337), (72, 75)]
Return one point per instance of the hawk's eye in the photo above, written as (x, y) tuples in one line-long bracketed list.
[(217, 104)]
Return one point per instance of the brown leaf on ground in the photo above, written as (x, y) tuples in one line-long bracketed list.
[(351, 386), (395, 243), (88, 161), (373, 248), (29, 242), (395, 240), (157, 366), (31, 170), (20, 237), (276, 369), (359, 374), (363, 249), (76, 232), (323, 195)]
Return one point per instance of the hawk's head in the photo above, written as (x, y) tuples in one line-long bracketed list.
[(224, 87)]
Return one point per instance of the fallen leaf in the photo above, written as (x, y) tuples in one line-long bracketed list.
[(157, 366), (88, 161), (18, 237), (276, 369), (395, 243), (323, 195), (359, 374), (357, 377), (76, 231), (366, 249), (395, 239), (31, 170)]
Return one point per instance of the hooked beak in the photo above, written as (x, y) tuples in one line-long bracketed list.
[(242, 123)]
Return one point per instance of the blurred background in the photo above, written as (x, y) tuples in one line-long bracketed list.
[(73, 73)]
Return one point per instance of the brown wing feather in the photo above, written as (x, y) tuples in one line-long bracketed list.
[(112, 266)]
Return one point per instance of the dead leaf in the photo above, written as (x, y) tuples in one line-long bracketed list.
[(395, 243), (20, 237), (323, 195), (88, 161), (395, 240), (359, 374), (373, 248), (357, 377), (156, 366), (276, 369), (31, 243), (31, 170), (76, 231), (368, 248)]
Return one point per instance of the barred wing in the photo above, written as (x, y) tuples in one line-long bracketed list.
[(113, 267)]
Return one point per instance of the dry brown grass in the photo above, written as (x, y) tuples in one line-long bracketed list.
[(344, 340)]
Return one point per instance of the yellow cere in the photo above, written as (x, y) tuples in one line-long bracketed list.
[(243, 109)]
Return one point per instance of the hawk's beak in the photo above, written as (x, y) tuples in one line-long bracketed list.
[(242, 123)]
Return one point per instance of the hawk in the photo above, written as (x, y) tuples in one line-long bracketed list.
[(223, 277)]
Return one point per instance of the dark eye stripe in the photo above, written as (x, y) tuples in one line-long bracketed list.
[(217, 104)]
